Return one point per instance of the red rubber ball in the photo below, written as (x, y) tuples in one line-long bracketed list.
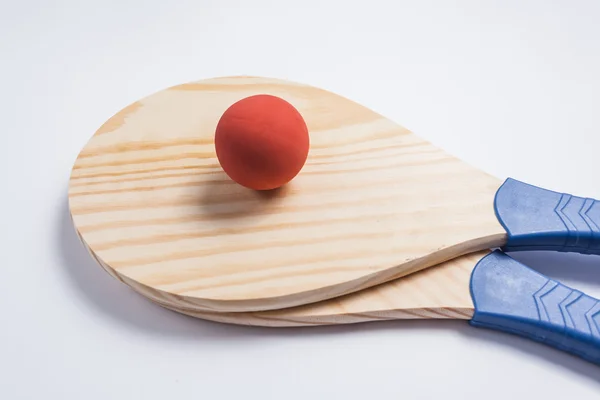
[(262, 142)]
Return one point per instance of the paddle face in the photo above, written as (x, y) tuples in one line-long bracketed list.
[(373, 202)]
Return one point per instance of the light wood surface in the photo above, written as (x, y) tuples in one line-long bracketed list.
[(374, 202), (439, 292)]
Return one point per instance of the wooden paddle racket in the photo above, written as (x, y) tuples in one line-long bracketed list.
[(373, 202)]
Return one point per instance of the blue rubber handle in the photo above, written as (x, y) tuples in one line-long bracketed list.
[(540, 219), (510, 297)]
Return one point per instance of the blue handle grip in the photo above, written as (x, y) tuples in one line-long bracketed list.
[(510, 297), (540, 219)]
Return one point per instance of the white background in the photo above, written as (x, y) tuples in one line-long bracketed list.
[(512, 87)]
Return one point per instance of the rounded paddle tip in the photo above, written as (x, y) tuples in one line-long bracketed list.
[(262, 142)]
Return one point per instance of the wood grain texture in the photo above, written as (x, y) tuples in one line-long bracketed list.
[(374, 202), (439, 292)]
